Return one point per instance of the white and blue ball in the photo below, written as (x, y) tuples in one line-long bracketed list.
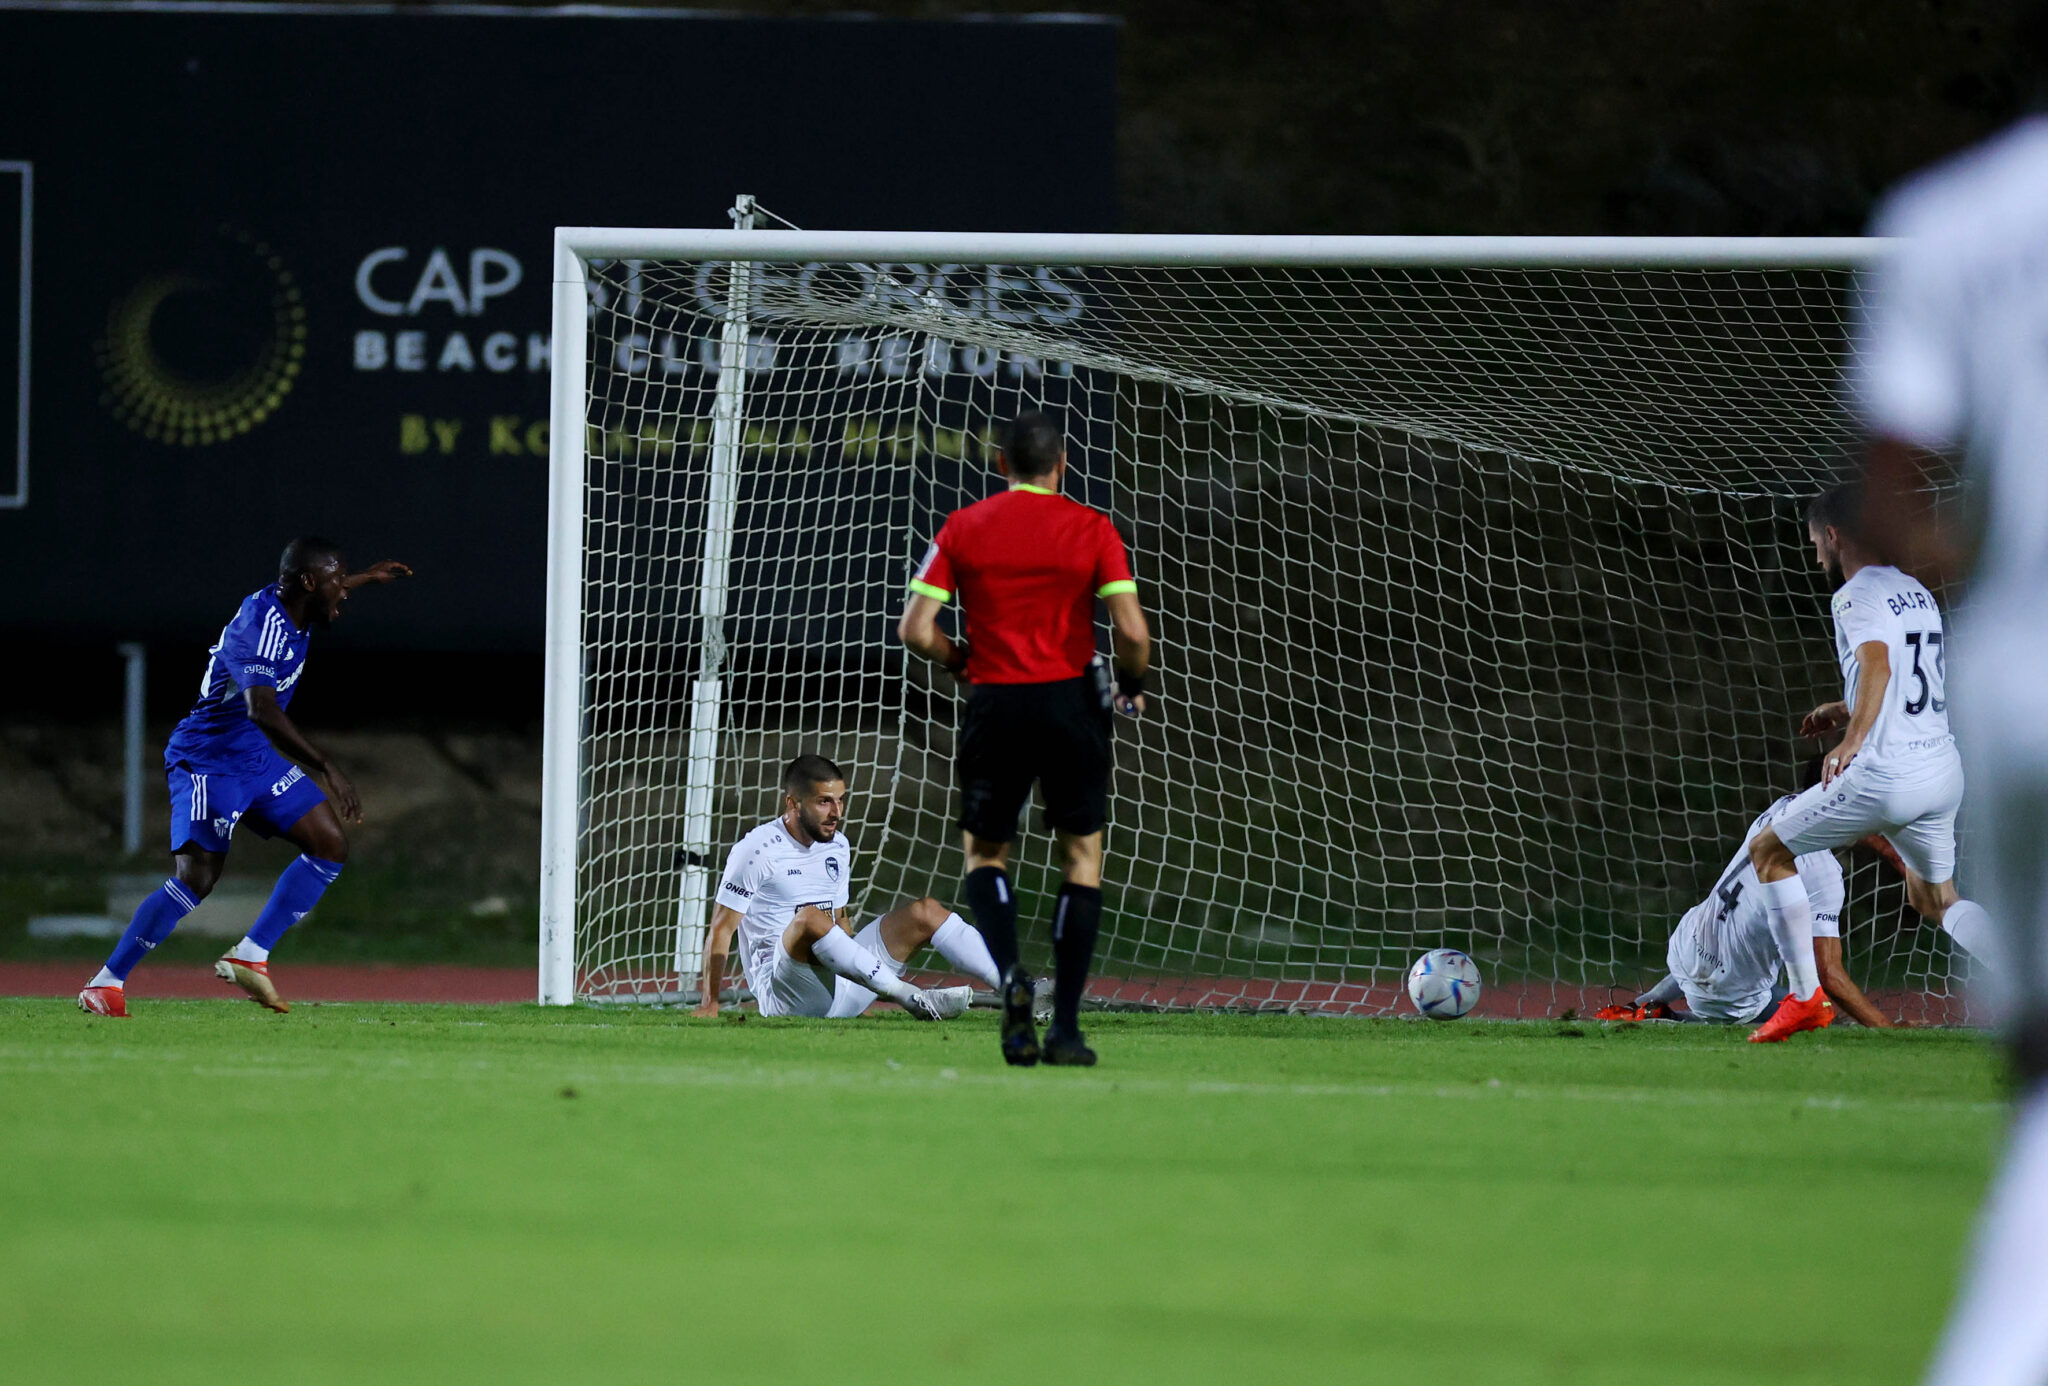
[(1444, 984)]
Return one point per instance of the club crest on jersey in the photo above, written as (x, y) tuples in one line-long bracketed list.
[(832, 870)]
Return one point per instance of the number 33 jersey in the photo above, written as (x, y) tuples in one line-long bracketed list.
[(1884, 605)]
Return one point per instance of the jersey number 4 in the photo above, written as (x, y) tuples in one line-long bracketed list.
[(1931, 640)]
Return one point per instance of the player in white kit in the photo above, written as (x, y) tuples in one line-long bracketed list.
[(1723, 959), (1952, 363), (784, 895), (1894, 773)]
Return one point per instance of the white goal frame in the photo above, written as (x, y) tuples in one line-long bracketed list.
[(577, 246)]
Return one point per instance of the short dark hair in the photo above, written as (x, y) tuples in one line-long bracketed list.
[(808, 770), (1033, 444), (1839, 507), (304, 554)]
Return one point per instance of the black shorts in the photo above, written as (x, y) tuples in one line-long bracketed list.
[(1057, 734)]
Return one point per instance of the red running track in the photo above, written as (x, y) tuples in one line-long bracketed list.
[(501, 985), (297, 981)]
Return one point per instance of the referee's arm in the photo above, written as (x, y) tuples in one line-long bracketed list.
[(919, 629), (1131, 639)]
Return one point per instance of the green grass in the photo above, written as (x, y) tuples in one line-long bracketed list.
[(396, 1194)]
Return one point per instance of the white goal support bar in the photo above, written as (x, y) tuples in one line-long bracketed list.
[(578, 248)]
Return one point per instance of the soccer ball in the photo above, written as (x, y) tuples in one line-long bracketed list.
[(1443, 984)]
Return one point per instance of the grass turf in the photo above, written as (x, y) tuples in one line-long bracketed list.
[(382, 1193)]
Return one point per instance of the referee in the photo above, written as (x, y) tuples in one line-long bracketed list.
[(1028, 565)]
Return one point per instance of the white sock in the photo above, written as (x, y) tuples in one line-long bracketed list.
[(1970, 926), (838, 951), (1791, 920), (246, 951), (962, 945), (104, 978), (1997, 1334)]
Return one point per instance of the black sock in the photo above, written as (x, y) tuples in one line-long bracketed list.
[(994, 908), (1076, 919)]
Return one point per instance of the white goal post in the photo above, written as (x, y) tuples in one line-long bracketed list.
[(1481, 612)]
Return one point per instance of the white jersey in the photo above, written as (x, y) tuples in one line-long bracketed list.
[(1722, 952), (1883, 605), (1949, 352), (769, 876)]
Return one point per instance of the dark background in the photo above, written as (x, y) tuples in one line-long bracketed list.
[(252, 162)]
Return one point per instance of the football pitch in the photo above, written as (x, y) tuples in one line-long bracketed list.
[(372, 1193)]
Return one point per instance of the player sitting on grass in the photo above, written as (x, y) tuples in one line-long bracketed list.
[(237, 758), (784, 893), (1724, 958)]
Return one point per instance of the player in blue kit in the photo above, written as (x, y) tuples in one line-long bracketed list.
[(237, 759)]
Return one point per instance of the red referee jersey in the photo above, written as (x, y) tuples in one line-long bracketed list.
[(1028, 564)]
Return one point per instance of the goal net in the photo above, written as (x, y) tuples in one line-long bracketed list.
[(1483, 611)]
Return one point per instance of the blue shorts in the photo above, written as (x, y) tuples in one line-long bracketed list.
[(206, 805)]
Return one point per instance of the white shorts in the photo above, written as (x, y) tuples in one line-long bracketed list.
[(794, 988), (1739, 990), (1915, 810)]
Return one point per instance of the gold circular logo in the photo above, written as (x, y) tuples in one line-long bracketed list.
[(199, 355)]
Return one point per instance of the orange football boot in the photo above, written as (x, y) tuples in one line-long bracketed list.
[(252, 977), (1633, 1012), (107, 1001), (1816, 1012)]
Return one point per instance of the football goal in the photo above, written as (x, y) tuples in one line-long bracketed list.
[(1483, 609)]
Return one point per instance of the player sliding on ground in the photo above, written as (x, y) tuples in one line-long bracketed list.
[(238, 759), (784, 894), (1895, 772), (1724, 958)]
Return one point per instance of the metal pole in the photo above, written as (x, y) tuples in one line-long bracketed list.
[(562, 699), (1056, 248), (707, 705), (137, 657)]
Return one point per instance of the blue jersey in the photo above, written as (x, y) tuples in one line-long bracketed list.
[(260, 648)]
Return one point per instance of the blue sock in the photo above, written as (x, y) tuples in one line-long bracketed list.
[(153, 922), (298, 889)]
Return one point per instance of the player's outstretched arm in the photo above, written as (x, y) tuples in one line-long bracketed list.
[(1841, 987), (725, 921), (291, 743), (387, 571)]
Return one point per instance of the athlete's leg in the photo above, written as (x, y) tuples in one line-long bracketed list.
[(813, 936), (1787, 910), (1924, 851), (1998, 1335), (1663, 994), (989, 896), (1076, 920), (910, 927), (194, 871), (323, 849)]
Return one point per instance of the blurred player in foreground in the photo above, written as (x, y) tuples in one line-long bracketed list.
[(237, 758), (1029, 565), (1724, 959), (784, 895), (1952, 363), (1895, 771)]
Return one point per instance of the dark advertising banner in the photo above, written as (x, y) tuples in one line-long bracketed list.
[(291, 270)]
